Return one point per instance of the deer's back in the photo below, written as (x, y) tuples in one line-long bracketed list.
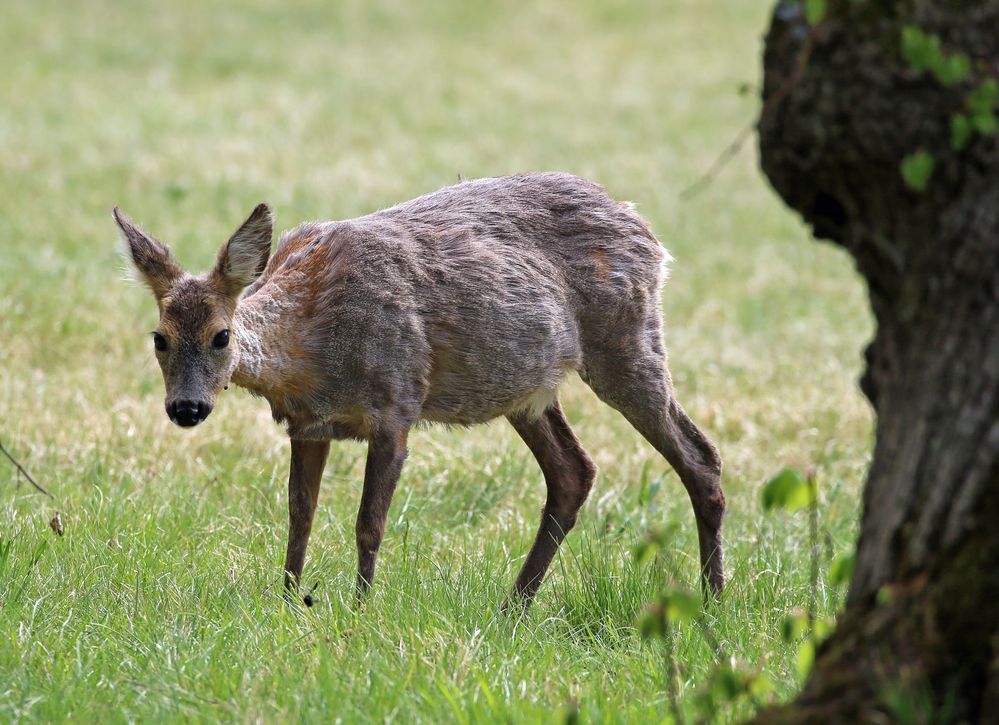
[(603, 249)]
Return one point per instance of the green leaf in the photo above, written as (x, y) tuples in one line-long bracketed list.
[(822, 628), (793, 627), (759, 686), (985, 123), (645, 552), (841, 570), (787, 489), (920, 51), (651, 622), (952, 69), (815, 11), (805, 658), (727, 684), (960, 131), (672, 607), (654, 541), (917, 168), (982, 98), (680, 605)]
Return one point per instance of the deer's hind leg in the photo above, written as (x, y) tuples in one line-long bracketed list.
[(569, 475), (631, 375)]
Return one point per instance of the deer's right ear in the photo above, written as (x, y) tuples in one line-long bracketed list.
[(243, 258), (150, 258)]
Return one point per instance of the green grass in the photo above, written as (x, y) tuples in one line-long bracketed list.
[(162, 600)]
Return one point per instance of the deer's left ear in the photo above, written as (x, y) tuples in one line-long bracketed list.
[(244, 256)]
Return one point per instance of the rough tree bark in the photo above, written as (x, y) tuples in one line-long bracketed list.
[(841, 111)]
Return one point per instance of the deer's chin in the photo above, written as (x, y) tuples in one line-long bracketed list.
[(187, 424)]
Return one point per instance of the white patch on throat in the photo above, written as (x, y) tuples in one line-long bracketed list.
[(260, 326)]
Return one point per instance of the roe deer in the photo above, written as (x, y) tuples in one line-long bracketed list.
[(457, 307)]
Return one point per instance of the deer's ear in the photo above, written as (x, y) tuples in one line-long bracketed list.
[(150, 258), (243, 258)]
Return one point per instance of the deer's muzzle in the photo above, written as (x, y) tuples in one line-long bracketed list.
[(188, 413)]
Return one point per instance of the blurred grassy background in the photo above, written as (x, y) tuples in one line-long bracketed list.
[(161, 600)]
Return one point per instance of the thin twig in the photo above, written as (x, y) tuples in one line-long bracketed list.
[(719, 163), (746, 131), (27, 475)]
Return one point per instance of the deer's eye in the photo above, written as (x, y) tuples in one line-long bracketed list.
[(221, 340), (159, 342)]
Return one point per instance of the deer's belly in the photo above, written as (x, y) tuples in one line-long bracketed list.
[(477, 393)]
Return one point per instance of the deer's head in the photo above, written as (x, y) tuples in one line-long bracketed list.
[(194, 344)]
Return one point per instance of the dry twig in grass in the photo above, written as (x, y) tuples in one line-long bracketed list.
[(27, 475)]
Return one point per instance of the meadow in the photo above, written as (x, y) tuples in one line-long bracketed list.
[(162, 600)]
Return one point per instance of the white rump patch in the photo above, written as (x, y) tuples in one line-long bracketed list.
[(664, 266), (539, 401)]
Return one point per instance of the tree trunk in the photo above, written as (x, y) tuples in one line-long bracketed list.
[(842, 109)]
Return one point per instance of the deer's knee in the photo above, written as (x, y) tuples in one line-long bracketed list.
[(709, 506), (713, 498), (585, 476), (570, 493), (368, 537)]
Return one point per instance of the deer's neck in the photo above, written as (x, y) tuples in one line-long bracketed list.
[(265, 333)]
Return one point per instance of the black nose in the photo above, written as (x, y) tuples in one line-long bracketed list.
[(187, 413)]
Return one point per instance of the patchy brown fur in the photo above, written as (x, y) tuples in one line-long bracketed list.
[(457, 307)]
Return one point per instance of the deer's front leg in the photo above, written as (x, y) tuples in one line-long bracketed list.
[(308, 459), (386, 453)]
